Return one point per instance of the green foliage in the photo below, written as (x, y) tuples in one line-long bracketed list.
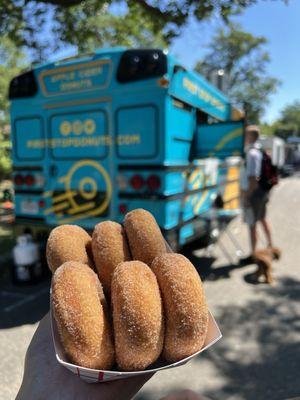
[(132, 28), (85, 22), (12, 60), (290, 116), (288, 123), (5, 158), (267, 129), (244, 59)]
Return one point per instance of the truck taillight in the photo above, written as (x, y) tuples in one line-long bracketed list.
[(153, 182), (123, 208), (137, 182), (18, 180), (29, 180)]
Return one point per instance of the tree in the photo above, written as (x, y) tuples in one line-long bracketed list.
[(290, 115), (131, 29), (288, 123), (5, 156), (244, 59), (267, 129), (12, 60), (69, 20)]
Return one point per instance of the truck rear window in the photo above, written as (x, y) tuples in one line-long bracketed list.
[(79, 135), (141, 64), (28, 134), (137, 131)]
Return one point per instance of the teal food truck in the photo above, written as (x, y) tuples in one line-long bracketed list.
[(97, 136)]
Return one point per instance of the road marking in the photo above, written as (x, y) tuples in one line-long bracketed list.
[(26, 299)]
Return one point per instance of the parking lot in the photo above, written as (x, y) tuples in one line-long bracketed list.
[(258, 356)]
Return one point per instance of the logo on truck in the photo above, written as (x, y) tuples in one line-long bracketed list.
[(80, 198)]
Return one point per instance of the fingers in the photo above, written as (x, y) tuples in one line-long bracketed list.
[(44, 378)]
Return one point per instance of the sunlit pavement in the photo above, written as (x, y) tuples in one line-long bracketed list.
[(258, 356)]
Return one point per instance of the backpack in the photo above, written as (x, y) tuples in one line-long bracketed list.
[(269, 173)]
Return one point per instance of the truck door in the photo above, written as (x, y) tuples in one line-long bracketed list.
[(224, 141), (221, 139), (80, 169)]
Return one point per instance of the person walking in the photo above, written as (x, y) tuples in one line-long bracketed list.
[(255, 198)]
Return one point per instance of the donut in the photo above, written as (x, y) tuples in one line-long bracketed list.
[(186, 313), (68, 243), (144, 236), (110, 248), (137, 316), (81, 315)]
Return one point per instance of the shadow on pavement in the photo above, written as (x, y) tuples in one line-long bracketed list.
[(23, 305), (268, 367), (204, 267)]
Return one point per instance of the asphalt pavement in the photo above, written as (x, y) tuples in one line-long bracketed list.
[(258, 357)]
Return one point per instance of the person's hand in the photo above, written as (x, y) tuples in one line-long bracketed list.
[(185, 395), (45, 379)]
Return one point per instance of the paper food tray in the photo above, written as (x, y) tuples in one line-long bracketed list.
[(94, 375)]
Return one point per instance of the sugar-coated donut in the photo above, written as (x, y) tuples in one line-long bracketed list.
[(81, 315), (186, 313), (110, 248), (68, 243), (137, 316), (144, 236)]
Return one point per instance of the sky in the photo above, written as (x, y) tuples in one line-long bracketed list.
[(273, 19), (280, 24)]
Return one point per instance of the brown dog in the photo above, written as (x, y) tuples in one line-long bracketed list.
[(263, 259)]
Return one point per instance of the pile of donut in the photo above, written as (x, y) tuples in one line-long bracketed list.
[(121, 299)]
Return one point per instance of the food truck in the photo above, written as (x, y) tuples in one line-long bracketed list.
[(99, 135)]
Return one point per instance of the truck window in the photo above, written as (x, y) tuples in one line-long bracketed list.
[(137, 131), (141, 64), (29, 139), (79, 135)]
